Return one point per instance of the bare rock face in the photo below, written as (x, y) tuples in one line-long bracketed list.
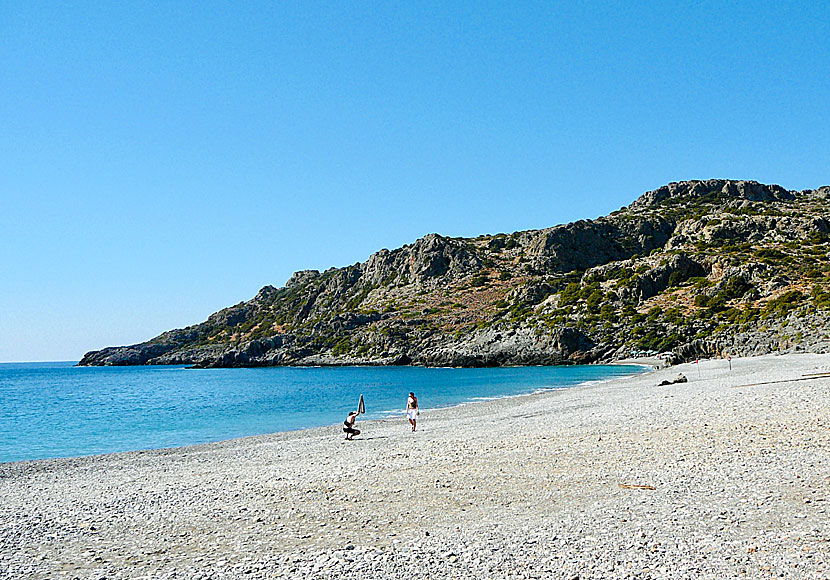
[(522, 346), (300, 278), (531, 293), (790, 335), (585, 244), (820, 193), (753, 229), (429, 258), (676, 270), (435, 256), (714, 189)]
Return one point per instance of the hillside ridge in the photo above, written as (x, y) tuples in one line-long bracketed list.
[(693, 268)]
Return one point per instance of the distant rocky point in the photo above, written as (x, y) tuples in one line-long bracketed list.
[(694, 268)]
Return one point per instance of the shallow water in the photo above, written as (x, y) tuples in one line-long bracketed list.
[(59, 410)]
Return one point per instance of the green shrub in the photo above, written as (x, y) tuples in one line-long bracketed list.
[(622, 273), (735, 287), (770, 255), (479, 280), (716, 303), (821, 299), (608, 312), (593, 300), (819, 237), (342, 346), (674, 316), (570, 295), (785, 303), (699, 282), (518, 312)]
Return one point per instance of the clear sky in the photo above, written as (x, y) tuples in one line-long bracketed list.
[(159, 162)]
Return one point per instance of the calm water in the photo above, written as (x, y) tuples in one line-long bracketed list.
[(58, 410)]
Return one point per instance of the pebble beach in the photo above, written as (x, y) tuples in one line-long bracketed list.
[(725, 476)]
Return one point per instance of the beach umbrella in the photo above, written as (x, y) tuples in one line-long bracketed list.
[(360, 407)]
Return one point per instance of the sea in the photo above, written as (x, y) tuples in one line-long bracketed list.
[(50, 410)]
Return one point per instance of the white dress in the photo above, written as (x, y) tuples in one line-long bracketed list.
[(411, 413)]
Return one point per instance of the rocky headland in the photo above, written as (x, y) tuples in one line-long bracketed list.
[(692, 269)]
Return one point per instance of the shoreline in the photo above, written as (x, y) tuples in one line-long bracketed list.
[(615, 479), (386, 414)]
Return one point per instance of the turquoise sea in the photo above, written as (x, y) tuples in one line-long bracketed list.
[(59, 410)]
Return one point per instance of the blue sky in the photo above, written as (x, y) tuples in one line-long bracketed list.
[(160, 162)]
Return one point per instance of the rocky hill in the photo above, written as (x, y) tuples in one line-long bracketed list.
[(698, 268)]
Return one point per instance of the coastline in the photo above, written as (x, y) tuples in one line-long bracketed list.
[(168, 408), (387, 417), (555, 483)]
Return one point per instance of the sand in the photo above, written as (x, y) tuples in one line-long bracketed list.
[(623, 479)]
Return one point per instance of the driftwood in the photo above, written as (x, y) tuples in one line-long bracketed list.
[(629, 486), (809, 377)]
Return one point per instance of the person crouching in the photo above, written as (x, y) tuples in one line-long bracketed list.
[(348, 426)]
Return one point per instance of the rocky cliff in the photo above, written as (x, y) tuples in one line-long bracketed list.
[(696, 268)]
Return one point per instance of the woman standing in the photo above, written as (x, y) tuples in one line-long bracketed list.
[(412, 411)]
